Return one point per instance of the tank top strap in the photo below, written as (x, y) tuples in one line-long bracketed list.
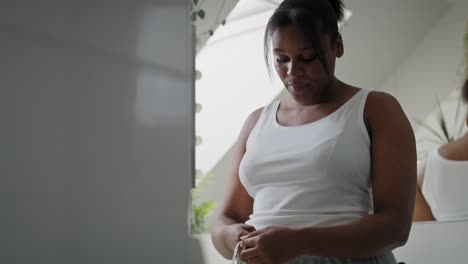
[(427, 188), (262, 121), (360, 104), (362, 100)]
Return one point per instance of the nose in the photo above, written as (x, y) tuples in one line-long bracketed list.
[(294, 69)]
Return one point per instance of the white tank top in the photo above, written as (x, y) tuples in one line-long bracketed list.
[(317, 174), (444, 187)]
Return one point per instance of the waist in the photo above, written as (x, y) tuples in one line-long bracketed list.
[(300, 220), (387, 258)]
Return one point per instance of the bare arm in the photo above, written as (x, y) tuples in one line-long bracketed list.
[(393, 153), (237, 205), (422, 211)]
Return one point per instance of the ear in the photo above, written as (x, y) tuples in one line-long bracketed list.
[(339, 46)]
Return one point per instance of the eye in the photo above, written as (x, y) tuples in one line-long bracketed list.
[(282, 59), (308, 59)]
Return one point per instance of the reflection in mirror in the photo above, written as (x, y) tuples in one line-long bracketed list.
[(442, 172)]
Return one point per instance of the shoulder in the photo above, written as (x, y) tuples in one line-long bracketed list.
[(250, 122), (381, 106), (387, 120), (253, 117), (381, 101)]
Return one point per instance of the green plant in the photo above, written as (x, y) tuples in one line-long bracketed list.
[(199, 13), (201, 209), (200, 213)]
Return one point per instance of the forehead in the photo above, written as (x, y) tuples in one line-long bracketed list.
[(288, 36), (291, 38)]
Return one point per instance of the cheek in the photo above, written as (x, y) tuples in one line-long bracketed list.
[(315, 71), (282, 71)]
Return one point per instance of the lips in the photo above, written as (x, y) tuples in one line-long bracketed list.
[(297, 88), (297, 85)]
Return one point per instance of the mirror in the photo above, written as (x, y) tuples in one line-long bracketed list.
[(413, 50), (443, 144), (418, 47)]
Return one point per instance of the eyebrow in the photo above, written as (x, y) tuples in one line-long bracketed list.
[(281, 50)]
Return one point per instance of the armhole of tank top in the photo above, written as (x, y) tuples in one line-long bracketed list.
[(253, 132), (429, 161), (362, 122), (426, 188)]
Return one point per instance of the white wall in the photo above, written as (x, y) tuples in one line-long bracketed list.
[(97, 126), (435, 67), (210, 255), (435, 243)]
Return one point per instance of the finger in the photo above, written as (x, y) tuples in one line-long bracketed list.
[(249, 242), (249, 228), (244, 232), (249, 253), (252, 234)]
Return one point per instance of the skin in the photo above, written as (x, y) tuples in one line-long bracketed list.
[(422, 211), (456, 150), (314, 94)]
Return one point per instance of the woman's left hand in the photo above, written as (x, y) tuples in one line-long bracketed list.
[(272, 245)]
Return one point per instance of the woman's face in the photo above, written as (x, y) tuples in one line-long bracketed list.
[(297, 63)]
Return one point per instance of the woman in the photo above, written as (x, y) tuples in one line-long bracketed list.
[(326, 175), (442, 180)]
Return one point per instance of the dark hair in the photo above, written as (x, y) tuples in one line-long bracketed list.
[(313, 18)]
